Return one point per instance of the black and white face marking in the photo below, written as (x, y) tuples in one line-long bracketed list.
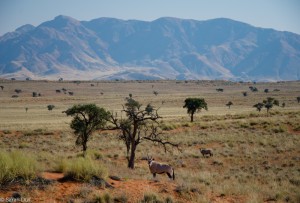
[(150, 160)]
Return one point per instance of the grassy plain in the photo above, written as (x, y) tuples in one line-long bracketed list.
[(256, 157)]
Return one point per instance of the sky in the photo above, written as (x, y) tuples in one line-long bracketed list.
[(283, 15)]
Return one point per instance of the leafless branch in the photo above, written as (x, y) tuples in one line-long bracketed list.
[(163, 143)]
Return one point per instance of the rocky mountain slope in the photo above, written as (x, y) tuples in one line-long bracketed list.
[(166, 48)]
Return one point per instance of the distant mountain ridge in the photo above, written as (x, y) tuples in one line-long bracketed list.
[(166, 48)]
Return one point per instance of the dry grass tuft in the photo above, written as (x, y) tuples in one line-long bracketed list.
[(16, 164)]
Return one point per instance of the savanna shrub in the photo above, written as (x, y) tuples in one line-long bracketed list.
[(84, 169), (17, 164)]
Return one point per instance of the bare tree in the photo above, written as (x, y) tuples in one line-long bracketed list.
[(138, 126)]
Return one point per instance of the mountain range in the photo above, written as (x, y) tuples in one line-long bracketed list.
[(166, 48)]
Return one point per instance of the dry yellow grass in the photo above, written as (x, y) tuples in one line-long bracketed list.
[(256, 157), (110, 95)]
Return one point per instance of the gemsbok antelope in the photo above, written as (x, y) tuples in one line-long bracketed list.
[(206, 151), (159, 168)]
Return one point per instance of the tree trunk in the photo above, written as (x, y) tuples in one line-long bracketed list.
[(192, 117), (84, 147), (132, 157)]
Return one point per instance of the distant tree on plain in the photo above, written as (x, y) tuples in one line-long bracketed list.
[(2, 87), (269, 103), (253, 89), (50, 107), (258, 106), (219, 89), (18, 91), (77, 82), (155, 93), (193, 105), (245, 94), (266, 90), (229, 104), (298, 99)]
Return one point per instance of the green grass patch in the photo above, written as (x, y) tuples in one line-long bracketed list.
[(83, 169), (17, 164)]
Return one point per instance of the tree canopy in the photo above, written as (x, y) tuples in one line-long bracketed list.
[(193, 105), (86, 119)]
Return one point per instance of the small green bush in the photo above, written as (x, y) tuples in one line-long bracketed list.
[(107, 198), (167, 126), (17, 164), (187, 125), (60, 165), (6, 131), (84, 169), (150, 198)]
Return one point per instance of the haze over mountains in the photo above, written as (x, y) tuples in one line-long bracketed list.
[(166, 48)]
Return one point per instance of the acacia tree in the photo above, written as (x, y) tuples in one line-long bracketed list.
[(269, 103), (50, 107), (258, 106), (229, 104), (193, 105), (140, 124), (86, 119)]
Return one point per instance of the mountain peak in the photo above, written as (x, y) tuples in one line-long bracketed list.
[(25, 28), (61, 21), (173, 48), (64, 18)]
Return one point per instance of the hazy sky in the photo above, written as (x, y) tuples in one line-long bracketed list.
[(278, 14)]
